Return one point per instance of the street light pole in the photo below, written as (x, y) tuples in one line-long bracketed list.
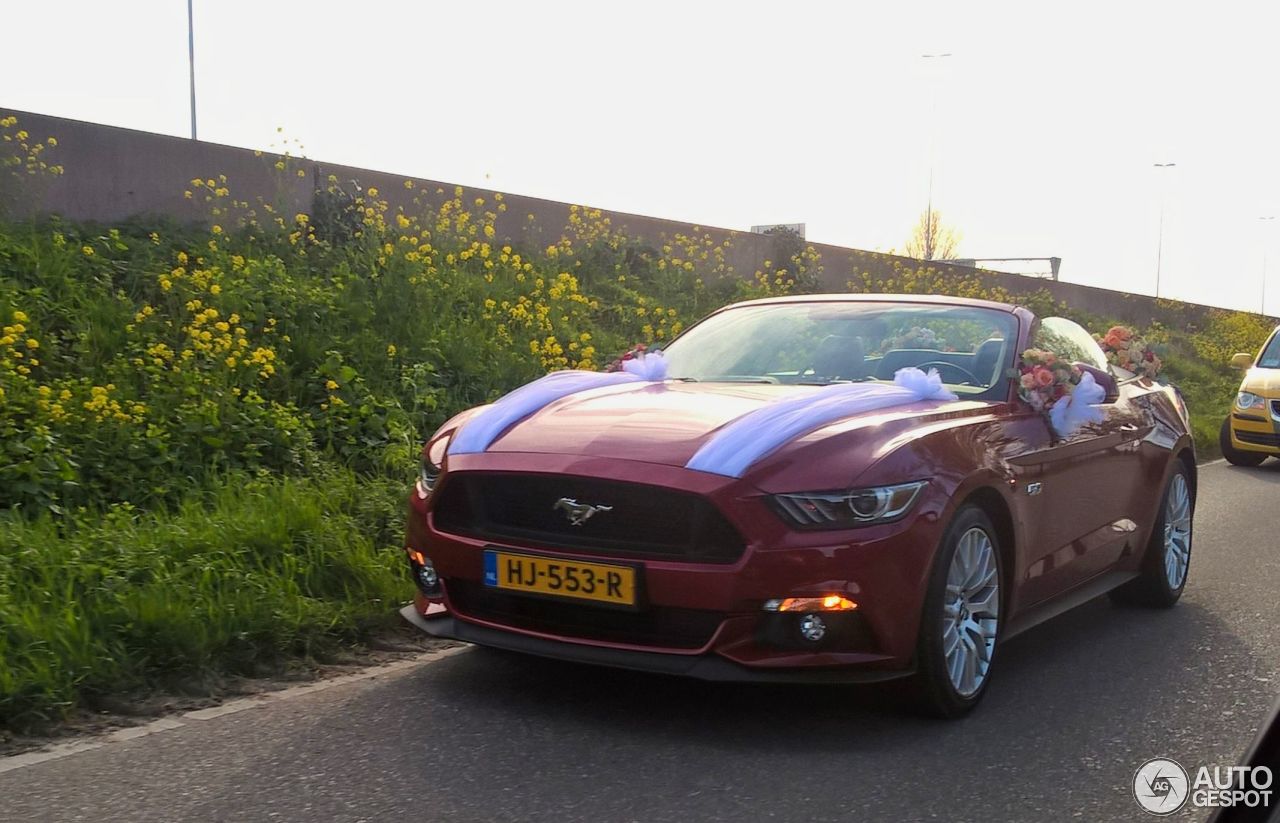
[(929, 238), (1160, 238), (1266, 221), (191, 61)]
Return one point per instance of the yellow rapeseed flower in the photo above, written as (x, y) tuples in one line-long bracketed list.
[(19, 317), (331, 385), (87, 251)]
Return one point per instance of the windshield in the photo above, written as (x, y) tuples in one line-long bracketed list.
[(1270, 358), (828, 342)]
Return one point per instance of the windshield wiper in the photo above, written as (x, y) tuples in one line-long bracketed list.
[(832, 382)]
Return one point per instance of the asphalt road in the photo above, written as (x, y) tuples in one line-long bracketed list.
[(1075, 707)]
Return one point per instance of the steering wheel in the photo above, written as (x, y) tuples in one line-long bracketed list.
[(969, 377)]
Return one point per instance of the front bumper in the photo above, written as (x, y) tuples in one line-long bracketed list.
[(701, 667), (1256, 430), (702, 620)]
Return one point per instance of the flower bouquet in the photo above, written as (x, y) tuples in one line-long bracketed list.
[(1043, 379), (1126, 350), (1064, 393)]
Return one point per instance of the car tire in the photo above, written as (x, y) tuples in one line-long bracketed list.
[(1235, 456), (960, 619), (1167, 559)]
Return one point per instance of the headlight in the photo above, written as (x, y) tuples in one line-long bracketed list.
[(431, 468), (843, 510), (1248, 400)]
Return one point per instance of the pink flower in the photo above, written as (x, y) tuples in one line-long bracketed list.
[(1043, 376), (1028, 381)]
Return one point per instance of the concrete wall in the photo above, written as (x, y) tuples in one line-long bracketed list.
[(114, 173)]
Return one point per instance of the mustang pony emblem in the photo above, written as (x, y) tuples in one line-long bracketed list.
[(578, 513)]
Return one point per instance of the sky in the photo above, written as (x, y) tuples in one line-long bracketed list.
[(1040, 130)]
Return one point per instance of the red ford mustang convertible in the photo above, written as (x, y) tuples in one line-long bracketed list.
[(820, 488)]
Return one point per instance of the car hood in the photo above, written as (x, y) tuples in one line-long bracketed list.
[(667, 423), (1265, 382)]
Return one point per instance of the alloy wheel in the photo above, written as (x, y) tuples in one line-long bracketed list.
[(971, 611), (1177, 532)]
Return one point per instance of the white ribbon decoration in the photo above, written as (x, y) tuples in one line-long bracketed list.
[(478, 433), (1076, 409), (757, 434), (649, 366)]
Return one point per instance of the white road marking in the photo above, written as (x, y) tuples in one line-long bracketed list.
[(61, 750)]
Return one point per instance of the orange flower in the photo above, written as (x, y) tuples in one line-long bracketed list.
[(1117, 336)]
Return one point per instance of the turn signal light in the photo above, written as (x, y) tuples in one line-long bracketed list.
[(416, 556), (827, 603)]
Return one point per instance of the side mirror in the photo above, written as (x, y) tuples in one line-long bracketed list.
[(1242, 361), (1104, 379)]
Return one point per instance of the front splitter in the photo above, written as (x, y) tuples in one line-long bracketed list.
[(701, 667)]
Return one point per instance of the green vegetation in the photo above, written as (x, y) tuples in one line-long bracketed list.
[(206, 433), (237, 577)]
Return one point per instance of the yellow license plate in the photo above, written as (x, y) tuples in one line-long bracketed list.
[(601, 582)]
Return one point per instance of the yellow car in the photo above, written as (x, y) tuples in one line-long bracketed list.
[(1251, 433)]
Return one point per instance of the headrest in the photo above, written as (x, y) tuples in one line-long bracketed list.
[(840, 357)]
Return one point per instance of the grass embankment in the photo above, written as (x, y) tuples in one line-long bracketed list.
[(237, 578), (206, 433)]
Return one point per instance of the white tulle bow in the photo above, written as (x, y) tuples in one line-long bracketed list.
[(1078, 408), (651, 366)]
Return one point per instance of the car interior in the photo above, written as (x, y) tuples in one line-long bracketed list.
[(840, 358)]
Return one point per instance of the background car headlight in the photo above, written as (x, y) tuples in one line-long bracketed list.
[(842, 510), (1248, 400), (432, 462)]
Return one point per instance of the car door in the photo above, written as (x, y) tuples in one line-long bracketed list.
[(1085, 482)]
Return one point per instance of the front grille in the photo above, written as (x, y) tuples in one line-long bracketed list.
[(644, 521), (652, 626), (1257, 438)]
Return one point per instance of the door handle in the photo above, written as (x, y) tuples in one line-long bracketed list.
[(1129, 428)]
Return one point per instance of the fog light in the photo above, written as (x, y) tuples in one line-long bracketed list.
[(812, 628), (427, 577), (424, 573)]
